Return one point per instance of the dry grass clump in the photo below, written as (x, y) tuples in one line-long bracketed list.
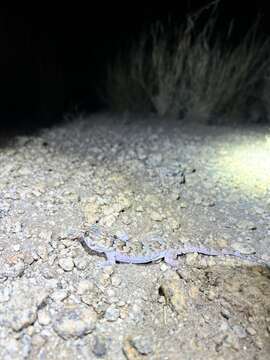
[(190, 70)]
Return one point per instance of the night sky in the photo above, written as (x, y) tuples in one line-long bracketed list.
[(53, 58)]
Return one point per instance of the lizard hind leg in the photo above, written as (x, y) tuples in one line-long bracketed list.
[(109, 261), (171, 259)]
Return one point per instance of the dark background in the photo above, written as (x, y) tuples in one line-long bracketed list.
[(54, 57)]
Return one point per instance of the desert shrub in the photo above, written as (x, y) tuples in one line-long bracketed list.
[(190, 70)]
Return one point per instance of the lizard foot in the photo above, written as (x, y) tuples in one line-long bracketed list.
[(171, 260), (110, 260), (104, 264)]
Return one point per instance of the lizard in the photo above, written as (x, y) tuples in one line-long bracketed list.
[(169, 256)]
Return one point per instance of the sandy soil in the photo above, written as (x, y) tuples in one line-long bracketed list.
[(142, 180)]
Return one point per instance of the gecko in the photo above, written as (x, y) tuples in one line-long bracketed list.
[(170, 256)]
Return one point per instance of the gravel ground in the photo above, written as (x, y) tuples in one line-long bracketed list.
[(143, 181)]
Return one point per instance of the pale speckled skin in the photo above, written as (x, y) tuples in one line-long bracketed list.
[(113, 256)]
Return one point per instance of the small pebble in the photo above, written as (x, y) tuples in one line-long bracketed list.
[(259, 343), (240, 331), (156, 216), (59, 295), (211, 295), (66, 264), (28, 258), (251, 331), (88, 299), (42, 252), (191, 259), (142, 344), (75, 322), (17, 247), (163, 267), (121, 303), (85, 286), (81, 263), (4, 294), (23, 318), (116, 281), (99, 348), (112, 313), (225, 313), (44, 317), (38, 341)]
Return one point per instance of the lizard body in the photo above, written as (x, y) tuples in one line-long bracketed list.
[(114, 256)]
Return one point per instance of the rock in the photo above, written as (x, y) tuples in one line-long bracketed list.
[(191, 259), (129, 351), (173, 289), (163, 267), (28, 258), (139, 209), (48, 273), (211, 295), (251, 331), (42, 252), (30, 330), (194, 292), (75, 321), (183, 205), (225, 313), (240, 331), (17, 247), (67, 243), (124, 203), (66, 264), (198, 200), (38, 341), (104, 277), (108, 220), (21, 310), (59, 295), (111, 297), (85, 286), (22, 318), (88, 298), (174, 224), (100, 307), (259, 343), (91, 212), (112, 313), (99, 347), (116, 281), (44, 317), (81, 263), (142, 344), (17, 270), (45, 235), (126, 219), (232, 341), (41, 297), (157, 216), (209, 203), (4, 294)]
